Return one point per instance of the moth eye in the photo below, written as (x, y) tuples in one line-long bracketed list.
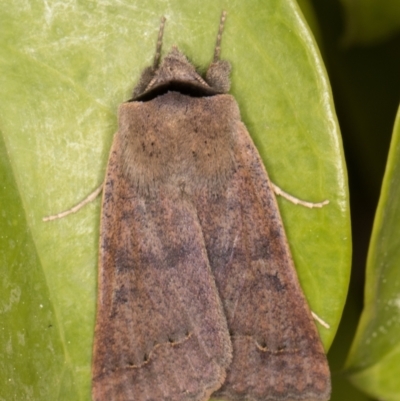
[(146, 357), (170, 340)]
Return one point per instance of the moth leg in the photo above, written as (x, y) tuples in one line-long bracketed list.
[(279, 191), (296, 201), (77, 207), (320, 321)]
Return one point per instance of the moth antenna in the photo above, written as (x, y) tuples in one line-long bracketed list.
[(217, 51), (159, 43)]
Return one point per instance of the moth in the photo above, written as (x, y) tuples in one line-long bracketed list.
[(198, 295)]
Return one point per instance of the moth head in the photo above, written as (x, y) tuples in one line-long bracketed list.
[(175, 73), (176, 68)]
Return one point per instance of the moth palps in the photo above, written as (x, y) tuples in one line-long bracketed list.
[(197, 292)]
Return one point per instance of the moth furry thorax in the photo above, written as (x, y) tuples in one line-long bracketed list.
[(171, 100), (159, 154)]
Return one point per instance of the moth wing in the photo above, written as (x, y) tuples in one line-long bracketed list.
[(161, 333), (277, 353)]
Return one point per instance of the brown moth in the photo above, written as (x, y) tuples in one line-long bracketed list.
[(197, 292)]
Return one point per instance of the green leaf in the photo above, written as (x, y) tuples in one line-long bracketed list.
[(32, 355), (64, 69), (370, 21), (374, 359)]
